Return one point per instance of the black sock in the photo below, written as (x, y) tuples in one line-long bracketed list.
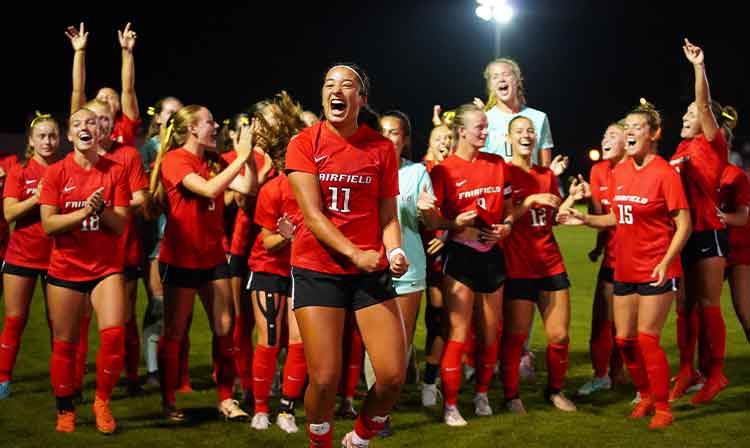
[(286, 405), (431, 372), (65, 403)]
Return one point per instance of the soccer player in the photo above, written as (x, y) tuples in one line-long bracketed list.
[(344, 176)]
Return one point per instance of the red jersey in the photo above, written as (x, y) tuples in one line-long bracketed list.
[(29, 246), (531, 250), (130, 159), (733, 193), (124, 130), (89, 251), (599, 182), (700, 164), (481, 184), (6, 163), (429, 165), (274, 201), (192, 237), (354, 175), (642, 201)]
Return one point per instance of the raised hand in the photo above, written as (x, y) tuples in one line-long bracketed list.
[(245, 139), (478, 102), (579, 188), (78, 37), (126, 38), (693, 53), (425, 200), (436, 120), (559, 164)]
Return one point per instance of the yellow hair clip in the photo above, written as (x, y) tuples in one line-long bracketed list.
[(244, 120), (151, 111), (727, 116), (449, 115), (38, 117), (226, 122)]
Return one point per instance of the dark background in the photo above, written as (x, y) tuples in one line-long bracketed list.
[(585, 63)]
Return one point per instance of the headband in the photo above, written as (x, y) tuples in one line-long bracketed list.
[(361, 82)]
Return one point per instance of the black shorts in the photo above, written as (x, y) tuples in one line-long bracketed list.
[(14, 269), (264, 281), (84, 287), (606, 274), (705, 244), (645, 289), (351, 291), (133, 273), (237, 266), (530, 288), (178, 277), (480, 271)]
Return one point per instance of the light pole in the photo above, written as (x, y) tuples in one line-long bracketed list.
[(498, 11)]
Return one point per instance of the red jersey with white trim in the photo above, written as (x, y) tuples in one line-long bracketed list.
[(6, 163), (354, 175), (700, 164), (275, 200), (130, 159), (192, 237), (29, 245), (125, 129), (91, 250), (642, 200), (599, 182), (531, 250), (481, 184), (734, 192)]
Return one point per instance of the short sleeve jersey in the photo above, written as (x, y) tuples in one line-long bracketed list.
[(642, 201), (700, 164), (498, 120), (354, 174), (734, 192), (275, 200), (599, 181), (29, 245), (480, 185), (192, 237), (6, 163), (91, 250), (531, 250), (412, 178), (125, 130)]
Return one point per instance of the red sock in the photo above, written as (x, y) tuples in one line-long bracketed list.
[(600, 347), (62, 368), (704, 351), (450, 371), (10, 341), (716, 336), (470, 348), (631, 356), (109, 360), (367, 428), (657, 367), (295, 371), (224, 359), (243, 342), (353, 364), (486, 367), (687, 337), (512, 348), (264, 368), (615, 360), (169, 367), (557, 365), (320, 435), (132, 350), (82, 351), (183, 362)]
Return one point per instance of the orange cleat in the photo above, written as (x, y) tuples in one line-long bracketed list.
[(682, 383), (66, 421), (661, 419), (642, 409), (105, 423), (710, 390)]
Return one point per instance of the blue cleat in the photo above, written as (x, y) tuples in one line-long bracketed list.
[(4, 390)]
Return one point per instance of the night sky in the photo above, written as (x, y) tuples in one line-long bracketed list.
[(585, 63)]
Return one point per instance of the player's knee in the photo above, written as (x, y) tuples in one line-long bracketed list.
[(558, 336)]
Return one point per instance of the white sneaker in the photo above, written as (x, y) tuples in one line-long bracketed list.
[(526, 368), (348, 442), (231, 410), (430, 394), (286, 422), (260, 421), (595, 384), (561, 402), (452, 417), (636, 400), (482, 406), (516, 406)]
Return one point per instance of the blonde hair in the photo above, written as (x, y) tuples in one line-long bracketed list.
[(39, 118), (516, 69), (653, 117), (274, 139), (459, 120)]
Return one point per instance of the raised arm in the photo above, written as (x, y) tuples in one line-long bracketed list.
[(128, 98), (78, 39), (695, 55)]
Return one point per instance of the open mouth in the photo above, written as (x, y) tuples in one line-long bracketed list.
[(85, 137), (503, 89), (630, 142), (337, 106), (606, 149)]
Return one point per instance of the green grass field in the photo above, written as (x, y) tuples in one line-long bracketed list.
[(27, 418)]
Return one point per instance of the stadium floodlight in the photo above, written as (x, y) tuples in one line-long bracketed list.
[(498, 11), (595, 155)]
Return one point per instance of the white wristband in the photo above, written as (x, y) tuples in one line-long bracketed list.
[(393, 252)]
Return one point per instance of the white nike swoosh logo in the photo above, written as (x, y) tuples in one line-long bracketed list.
[(318, 159), (620, 187), (705, 249), (459, 183), (67, 189), (31, 181), (4, 346), (451, 369), (603, 188)]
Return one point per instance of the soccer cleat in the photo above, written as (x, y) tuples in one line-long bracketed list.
[(452, 417), (682, 383), (482, 406), (105, 422), (387, 431), (526, 368), (260, 421), (348, 442), (561, 402), (346, 410), (185, 388), (710, 390), (66, 421), (515, 406), (230, 409), (643, 408), (286, 422), (173, 414), (595, 384), (430, 394), (4, 390), (661, 419)]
